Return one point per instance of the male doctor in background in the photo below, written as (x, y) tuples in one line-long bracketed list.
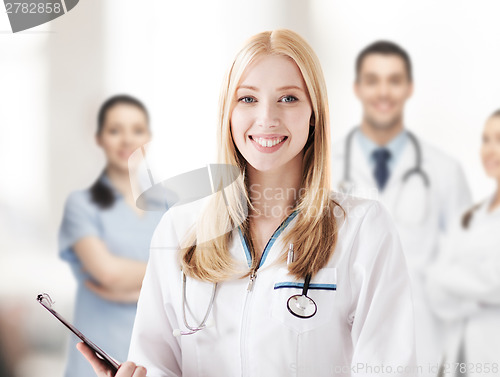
[(423, 188)]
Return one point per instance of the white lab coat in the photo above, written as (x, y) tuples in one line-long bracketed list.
[(420, 215), (464, 289), (362, 327)]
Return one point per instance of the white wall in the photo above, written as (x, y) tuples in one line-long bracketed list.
[(23, 130)]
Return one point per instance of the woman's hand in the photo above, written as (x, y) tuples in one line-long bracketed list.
[(127, 369), (122, 296)]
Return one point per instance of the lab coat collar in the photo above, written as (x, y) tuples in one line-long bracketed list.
[(395, 146), (479, 212), (361, 170), (270, 243), (401, 156)]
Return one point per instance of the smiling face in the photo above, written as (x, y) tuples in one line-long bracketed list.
[(124, 130), (490, 149), (383, 86), (271, 114)]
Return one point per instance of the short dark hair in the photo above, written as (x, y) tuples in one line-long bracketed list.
[(384, 48), (121, 99)]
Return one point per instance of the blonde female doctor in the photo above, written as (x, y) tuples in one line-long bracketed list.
[(464, 283), (276, 275)]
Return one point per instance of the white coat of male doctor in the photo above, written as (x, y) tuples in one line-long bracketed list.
[(375, 161)]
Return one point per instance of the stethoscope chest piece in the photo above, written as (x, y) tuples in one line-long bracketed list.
[(302, 306)]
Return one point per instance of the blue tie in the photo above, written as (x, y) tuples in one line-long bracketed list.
[(381, 157)]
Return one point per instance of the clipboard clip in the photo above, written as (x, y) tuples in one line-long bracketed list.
[(45, 300)]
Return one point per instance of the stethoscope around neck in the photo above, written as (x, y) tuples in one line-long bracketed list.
[(203, 324), (346, 185), (299, 305)]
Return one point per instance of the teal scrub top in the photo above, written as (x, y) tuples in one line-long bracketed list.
[(126, 234)]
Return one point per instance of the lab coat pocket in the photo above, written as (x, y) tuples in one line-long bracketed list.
[(322, 290)]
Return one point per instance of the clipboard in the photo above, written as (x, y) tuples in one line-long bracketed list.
[(45, 300)]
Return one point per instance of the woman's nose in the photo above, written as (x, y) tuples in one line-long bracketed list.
[(268, 115)]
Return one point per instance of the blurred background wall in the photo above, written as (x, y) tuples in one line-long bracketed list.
[(172, 55)]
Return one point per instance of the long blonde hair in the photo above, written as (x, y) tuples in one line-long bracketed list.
[(206, 256)]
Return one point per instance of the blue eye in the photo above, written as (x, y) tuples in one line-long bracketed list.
[(289, 99), (246, 99)]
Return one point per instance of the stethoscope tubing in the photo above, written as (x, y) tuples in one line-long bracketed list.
[(202, 324), (294, 301), (417, 169)]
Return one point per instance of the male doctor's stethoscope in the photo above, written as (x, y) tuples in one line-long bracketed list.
[(301, 306), (346, 186)]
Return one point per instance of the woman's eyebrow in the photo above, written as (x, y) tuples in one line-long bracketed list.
[(247, 87), (288, 87)]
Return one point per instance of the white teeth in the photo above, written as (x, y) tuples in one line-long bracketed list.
[(269, 142)]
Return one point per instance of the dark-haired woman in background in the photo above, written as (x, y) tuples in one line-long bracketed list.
[(105, 237)]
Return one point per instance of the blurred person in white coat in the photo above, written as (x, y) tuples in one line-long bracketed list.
[(421, 186), (295, 286), (464, 283)]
